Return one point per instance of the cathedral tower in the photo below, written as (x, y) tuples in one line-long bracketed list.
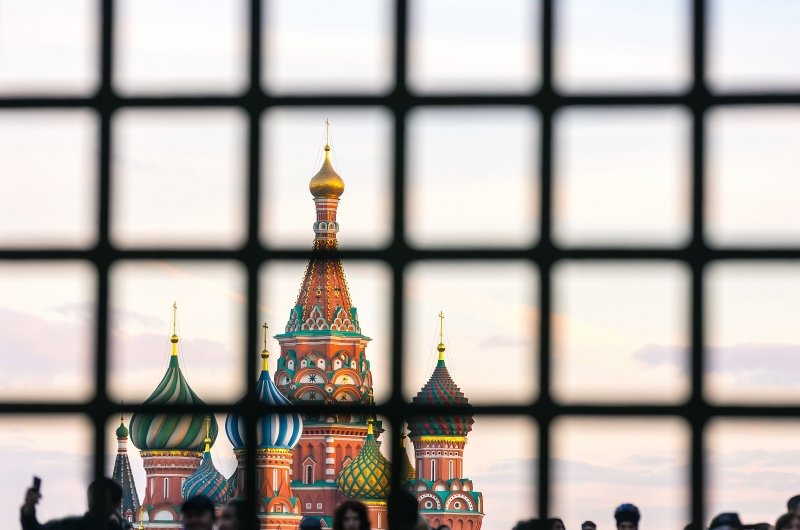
[(122, 474), (170, 444), (323, 359), (277, 436), (445, 496)]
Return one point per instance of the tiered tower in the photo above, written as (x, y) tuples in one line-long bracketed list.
[(323, 360), (170, 444), (122, 474), (206, 480), (445, 496), (368, 479), (278, 434)]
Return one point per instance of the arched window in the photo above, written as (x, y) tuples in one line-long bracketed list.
[(166, 487), (419, 469), (275, 479), (433, 469), (309, 476), (450, 470)]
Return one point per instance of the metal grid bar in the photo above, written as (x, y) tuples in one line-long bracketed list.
[(399, 254)]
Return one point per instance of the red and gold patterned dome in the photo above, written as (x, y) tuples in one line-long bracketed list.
[(440, 390)]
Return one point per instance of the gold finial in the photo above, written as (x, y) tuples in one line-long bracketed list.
[(141, 518), (370, 421), (122, 414), (403, 436), (174, 338), (326, 184), (208, 434), (265, 352), (440, 348)]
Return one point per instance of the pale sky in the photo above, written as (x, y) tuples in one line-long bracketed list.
[(620, 331)]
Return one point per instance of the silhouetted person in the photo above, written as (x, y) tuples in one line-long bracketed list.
[(442, 527), (793, 504), (351, 515), (588, 525), (104, 497), (310, 523), (788, 521), (758, 526), (197, 513), (235, 516), (403, 511), (627, 516), (726, 521), (554, 524)]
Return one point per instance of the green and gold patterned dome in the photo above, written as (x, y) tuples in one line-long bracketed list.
[(368, 477)]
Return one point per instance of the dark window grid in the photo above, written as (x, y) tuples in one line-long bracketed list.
[(543, 255)]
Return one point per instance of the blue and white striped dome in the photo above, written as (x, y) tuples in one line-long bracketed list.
[(273, 430)]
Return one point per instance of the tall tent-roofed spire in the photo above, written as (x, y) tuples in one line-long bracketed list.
[(123, 475), (323, 302)]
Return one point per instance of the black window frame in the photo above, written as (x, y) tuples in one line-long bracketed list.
[(544, 254)]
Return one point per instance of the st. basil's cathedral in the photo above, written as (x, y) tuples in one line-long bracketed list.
[(305, 465)]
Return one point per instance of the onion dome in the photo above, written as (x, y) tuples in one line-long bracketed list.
[(440, 390), (326, 184), (206, 480), (122, 431), (368, 476), (280, 430), (171, 432)]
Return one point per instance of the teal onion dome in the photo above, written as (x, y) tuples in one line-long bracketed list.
[(280, 430), (207, 481), (122, 431), (160, 432), (368, 477)]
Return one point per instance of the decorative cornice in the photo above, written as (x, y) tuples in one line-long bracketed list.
[(196, 454), (428, 438)]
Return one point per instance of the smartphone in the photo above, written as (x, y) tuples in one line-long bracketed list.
[(37, 483)]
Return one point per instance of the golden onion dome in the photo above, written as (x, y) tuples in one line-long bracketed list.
[(326, 184)]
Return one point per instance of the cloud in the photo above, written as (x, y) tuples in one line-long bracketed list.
[(761, 364)]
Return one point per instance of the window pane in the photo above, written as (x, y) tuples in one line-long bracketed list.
[(620, 332), (622, 45), (211, 305), (369, 287), (753, 45), (48, 47), (485, 47), (54, 448), (47, 318), (753, 467), (599, 464), (292, 147), (320, 46), (180, 46), (753, 162), (472, 177), (48, 193), (753, 355), (490, 310), (179, 178), (622, 177)]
